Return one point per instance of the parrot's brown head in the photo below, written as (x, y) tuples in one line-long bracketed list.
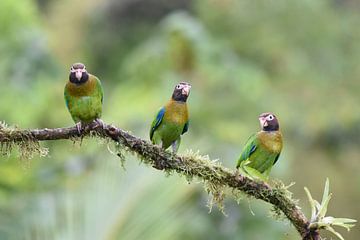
[(78, 73), (181, 92), (268, 122)]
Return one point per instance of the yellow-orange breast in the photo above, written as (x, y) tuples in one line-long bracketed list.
[(176, 112), (84, 89), (271, 141)]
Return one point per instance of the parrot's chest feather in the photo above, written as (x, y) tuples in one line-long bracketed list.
[(81, 90), (271, 141), (176, 112)]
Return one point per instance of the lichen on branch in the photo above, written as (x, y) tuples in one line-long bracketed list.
[(219, 181)]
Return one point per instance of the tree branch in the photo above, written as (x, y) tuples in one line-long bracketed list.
[(191, 166)]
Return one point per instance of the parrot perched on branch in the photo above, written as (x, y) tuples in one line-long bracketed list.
[(83, 96), (262, 150), (172, 120)]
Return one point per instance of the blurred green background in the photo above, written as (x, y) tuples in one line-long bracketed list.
[(298, 59)]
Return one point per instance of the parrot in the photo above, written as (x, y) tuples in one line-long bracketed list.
[(172, 120), (262, 150), (83, 95)]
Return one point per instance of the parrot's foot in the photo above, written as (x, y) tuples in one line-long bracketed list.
[(78, 127), (255, 174), (175, 145), (99, 122), (242, 172), (239, 175)]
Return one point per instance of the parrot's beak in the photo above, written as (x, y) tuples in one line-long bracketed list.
[(78, 74), (186, 90), (263, 122)]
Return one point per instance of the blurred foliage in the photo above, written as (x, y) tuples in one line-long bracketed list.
[(299, 60)]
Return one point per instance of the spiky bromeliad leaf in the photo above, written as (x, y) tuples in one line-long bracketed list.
[(318, 212)]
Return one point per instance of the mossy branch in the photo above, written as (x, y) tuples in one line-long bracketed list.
[(215, 176)]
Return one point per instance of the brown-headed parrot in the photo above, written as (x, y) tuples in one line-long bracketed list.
[(172, 120), (83, 96), (262, 150)]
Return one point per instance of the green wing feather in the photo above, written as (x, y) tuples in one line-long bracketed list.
[(186, 127), (100, 89), (248, 149), (157, 121), (276, 158), (66, 97)]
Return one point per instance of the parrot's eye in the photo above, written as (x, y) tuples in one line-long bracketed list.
[(178, 86), (270, 117)]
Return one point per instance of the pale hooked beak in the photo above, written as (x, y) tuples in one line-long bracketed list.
[(78, 74), (263, 122), (186, 90)]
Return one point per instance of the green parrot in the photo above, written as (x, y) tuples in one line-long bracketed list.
[(172, 120), (83, 96), (262, 150)]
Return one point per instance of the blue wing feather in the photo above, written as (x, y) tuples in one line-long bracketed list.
[(253, 148), (249, 148), (157, 121), (247, 154)]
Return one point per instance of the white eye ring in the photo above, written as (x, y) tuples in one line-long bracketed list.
[(270, 117), (178, 86)]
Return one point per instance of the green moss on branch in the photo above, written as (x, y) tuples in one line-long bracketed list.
[(219, 181)]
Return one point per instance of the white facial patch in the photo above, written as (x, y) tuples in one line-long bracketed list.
[(270, 117)]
